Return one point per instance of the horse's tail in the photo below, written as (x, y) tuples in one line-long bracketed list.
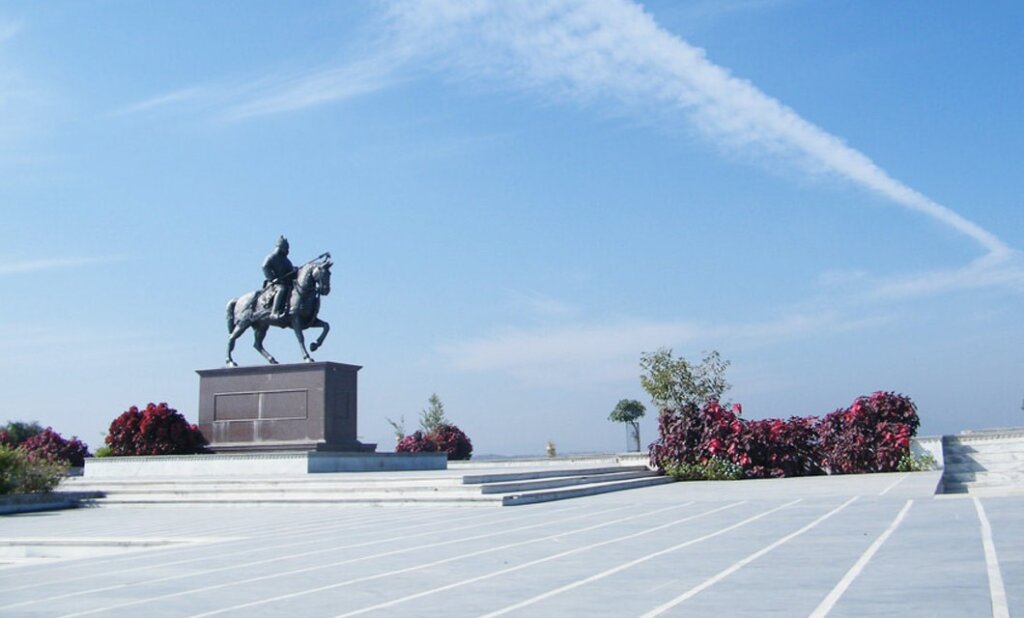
[(231, 315)]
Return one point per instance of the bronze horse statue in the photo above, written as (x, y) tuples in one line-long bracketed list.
[(312, 280)]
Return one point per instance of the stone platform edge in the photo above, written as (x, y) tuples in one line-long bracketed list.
[(258, 464), (51, 501)]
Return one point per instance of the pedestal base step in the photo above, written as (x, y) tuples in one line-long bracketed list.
[(254, 465)]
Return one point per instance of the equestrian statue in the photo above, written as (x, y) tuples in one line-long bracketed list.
[(290, 298)]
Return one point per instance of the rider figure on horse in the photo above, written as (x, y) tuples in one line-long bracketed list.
[(279, 274)]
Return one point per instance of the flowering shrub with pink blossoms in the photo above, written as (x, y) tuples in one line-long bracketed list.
[(447, 438), (453, 441), (416, 442), (872, 435), (51, 446)]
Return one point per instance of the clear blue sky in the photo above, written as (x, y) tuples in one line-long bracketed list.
[(521, 198)]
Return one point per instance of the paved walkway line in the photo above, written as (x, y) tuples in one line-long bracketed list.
[(632, 563), (833, 597), (711, 581), (1000, 609), (318, 542), (894, 484), (403, 550), (531, 563), (298, 531), (72, 564), (427, 565)]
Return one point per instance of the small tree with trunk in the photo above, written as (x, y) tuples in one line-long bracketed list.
[(629, 412)]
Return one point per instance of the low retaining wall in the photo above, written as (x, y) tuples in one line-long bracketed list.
[(931, 445), (258, 464)]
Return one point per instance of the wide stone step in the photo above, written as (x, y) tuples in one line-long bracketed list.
[(986, 459), (496, 488), (992, 488), (998, 454), (298, 491), (256, 499), (236, 484), (983, 476), (977, 445), (985, 466), (959, 457), (592, 489), (562, 481), (328, 492), (503, 477)]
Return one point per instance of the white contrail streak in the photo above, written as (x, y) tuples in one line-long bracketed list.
[(614, 49)]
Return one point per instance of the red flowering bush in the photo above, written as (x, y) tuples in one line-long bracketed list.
[(416, 442), (51, 446), (768, 448), (873, 435), (447, 438), (453, 441), (157, 430), (777, 448)]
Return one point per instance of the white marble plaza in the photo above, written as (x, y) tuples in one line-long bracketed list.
[(871, 545)]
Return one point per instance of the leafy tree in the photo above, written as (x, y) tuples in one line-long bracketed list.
[(16, 432), (432, 418), (679, 385), (629, 411)]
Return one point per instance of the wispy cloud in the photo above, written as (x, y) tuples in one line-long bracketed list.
[(316, 88), (858, 286), (613, 49), (524, 348), (31, 266), (541, 305), (174, 98), (976, 275), (598, 351), (601, 51), (275, 93)]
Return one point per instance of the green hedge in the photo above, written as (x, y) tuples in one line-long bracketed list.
[(20, 473)]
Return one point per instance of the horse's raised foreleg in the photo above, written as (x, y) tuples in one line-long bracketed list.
[(260, 332), (318, 323)]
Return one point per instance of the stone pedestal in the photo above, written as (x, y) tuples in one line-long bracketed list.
[(300, 407)]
